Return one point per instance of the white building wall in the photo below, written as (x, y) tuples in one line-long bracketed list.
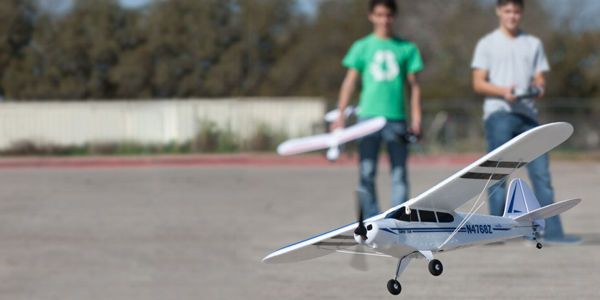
[(164, 121)]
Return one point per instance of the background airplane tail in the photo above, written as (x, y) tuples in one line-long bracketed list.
[(520, 201)]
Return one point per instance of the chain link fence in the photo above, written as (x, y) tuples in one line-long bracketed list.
[(456, 125)]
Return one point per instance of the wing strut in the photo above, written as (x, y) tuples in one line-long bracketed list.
[(477, 202)]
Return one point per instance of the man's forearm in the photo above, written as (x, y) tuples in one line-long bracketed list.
[(482, 86), (540, 81), (344, 96), (485, 88), (415, 104), (346, 91)]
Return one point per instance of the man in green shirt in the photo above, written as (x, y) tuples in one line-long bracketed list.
[(385, 64)]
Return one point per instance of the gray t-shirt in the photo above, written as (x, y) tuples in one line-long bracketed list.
[(510, 61)]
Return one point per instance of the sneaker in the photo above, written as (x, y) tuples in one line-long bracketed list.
[(567, 239)]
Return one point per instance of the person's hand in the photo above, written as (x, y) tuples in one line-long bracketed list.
[(508, 94), (339, 123), (542, 90), (415, 127)]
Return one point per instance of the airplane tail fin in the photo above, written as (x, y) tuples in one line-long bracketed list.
[(520, 201), (523, 206)]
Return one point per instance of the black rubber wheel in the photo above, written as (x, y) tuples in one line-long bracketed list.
[(394, 287), (538, 245), (435, 267)]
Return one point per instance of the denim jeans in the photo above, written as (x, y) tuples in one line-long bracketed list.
[(500, 127), (392, 134)]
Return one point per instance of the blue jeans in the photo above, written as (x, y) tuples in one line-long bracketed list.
[(392, 134), (500, 127)]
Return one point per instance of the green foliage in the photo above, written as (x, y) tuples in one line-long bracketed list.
[(212, 139), (16, 29), (228, 143), (177, 148), (265, 139), (222, 48), (209, 139), (29, 148)]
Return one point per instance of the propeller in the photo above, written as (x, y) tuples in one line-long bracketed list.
[(359, 261), (361, 230)]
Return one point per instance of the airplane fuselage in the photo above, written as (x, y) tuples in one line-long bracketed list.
[(397, 238)]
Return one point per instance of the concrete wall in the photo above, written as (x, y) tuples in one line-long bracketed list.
[(76, 123)]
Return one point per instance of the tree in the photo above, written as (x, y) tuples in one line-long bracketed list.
[(222, 48), (16, 28), (70, 57)]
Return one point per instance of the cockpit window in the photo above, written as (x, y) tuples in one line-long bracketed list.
[(427, 216), (400, 214), (414, 215), (445, 217)]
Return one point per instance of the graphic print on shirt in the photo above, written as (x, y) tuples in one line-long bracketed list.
[(384, 66)]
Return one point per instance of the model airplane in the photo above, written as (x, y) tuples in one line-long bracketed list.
[(429, 223), (332, 115), (331, 141)]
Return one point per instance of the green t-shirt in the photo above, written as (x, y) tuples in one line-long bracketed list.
[(383, 64)]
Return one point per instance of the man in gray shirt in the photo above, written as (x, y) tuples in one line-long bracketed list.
[(506, 62)]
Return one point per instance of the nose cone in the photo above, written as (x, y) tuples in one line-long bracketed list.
[(372, 231)]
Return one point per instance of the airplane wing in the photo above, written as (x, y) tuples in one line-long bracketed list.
[(326, 140), (339, 239), (305, 144), (459, 188), (361, 129)]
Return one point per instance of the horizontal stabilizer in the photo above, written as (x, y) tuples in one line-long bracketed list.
[(548, 211)]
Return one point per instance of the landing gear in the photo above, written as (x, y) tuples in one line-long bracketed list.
[(394, 287), (435, 267), (538, 244)]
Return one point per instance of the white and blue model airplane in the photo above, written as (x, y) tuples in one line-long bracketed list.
[(429, 223)]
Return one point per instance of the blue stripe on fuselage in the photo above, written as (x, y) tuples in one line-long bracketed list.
[(427, 229), (388, 230), (432, 229)]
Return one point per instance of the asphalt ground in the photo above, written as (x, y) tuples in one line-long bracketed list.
[(163, 232)]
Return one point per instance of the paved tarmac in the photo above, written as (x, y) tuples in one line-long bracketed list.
[(200, 233)]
